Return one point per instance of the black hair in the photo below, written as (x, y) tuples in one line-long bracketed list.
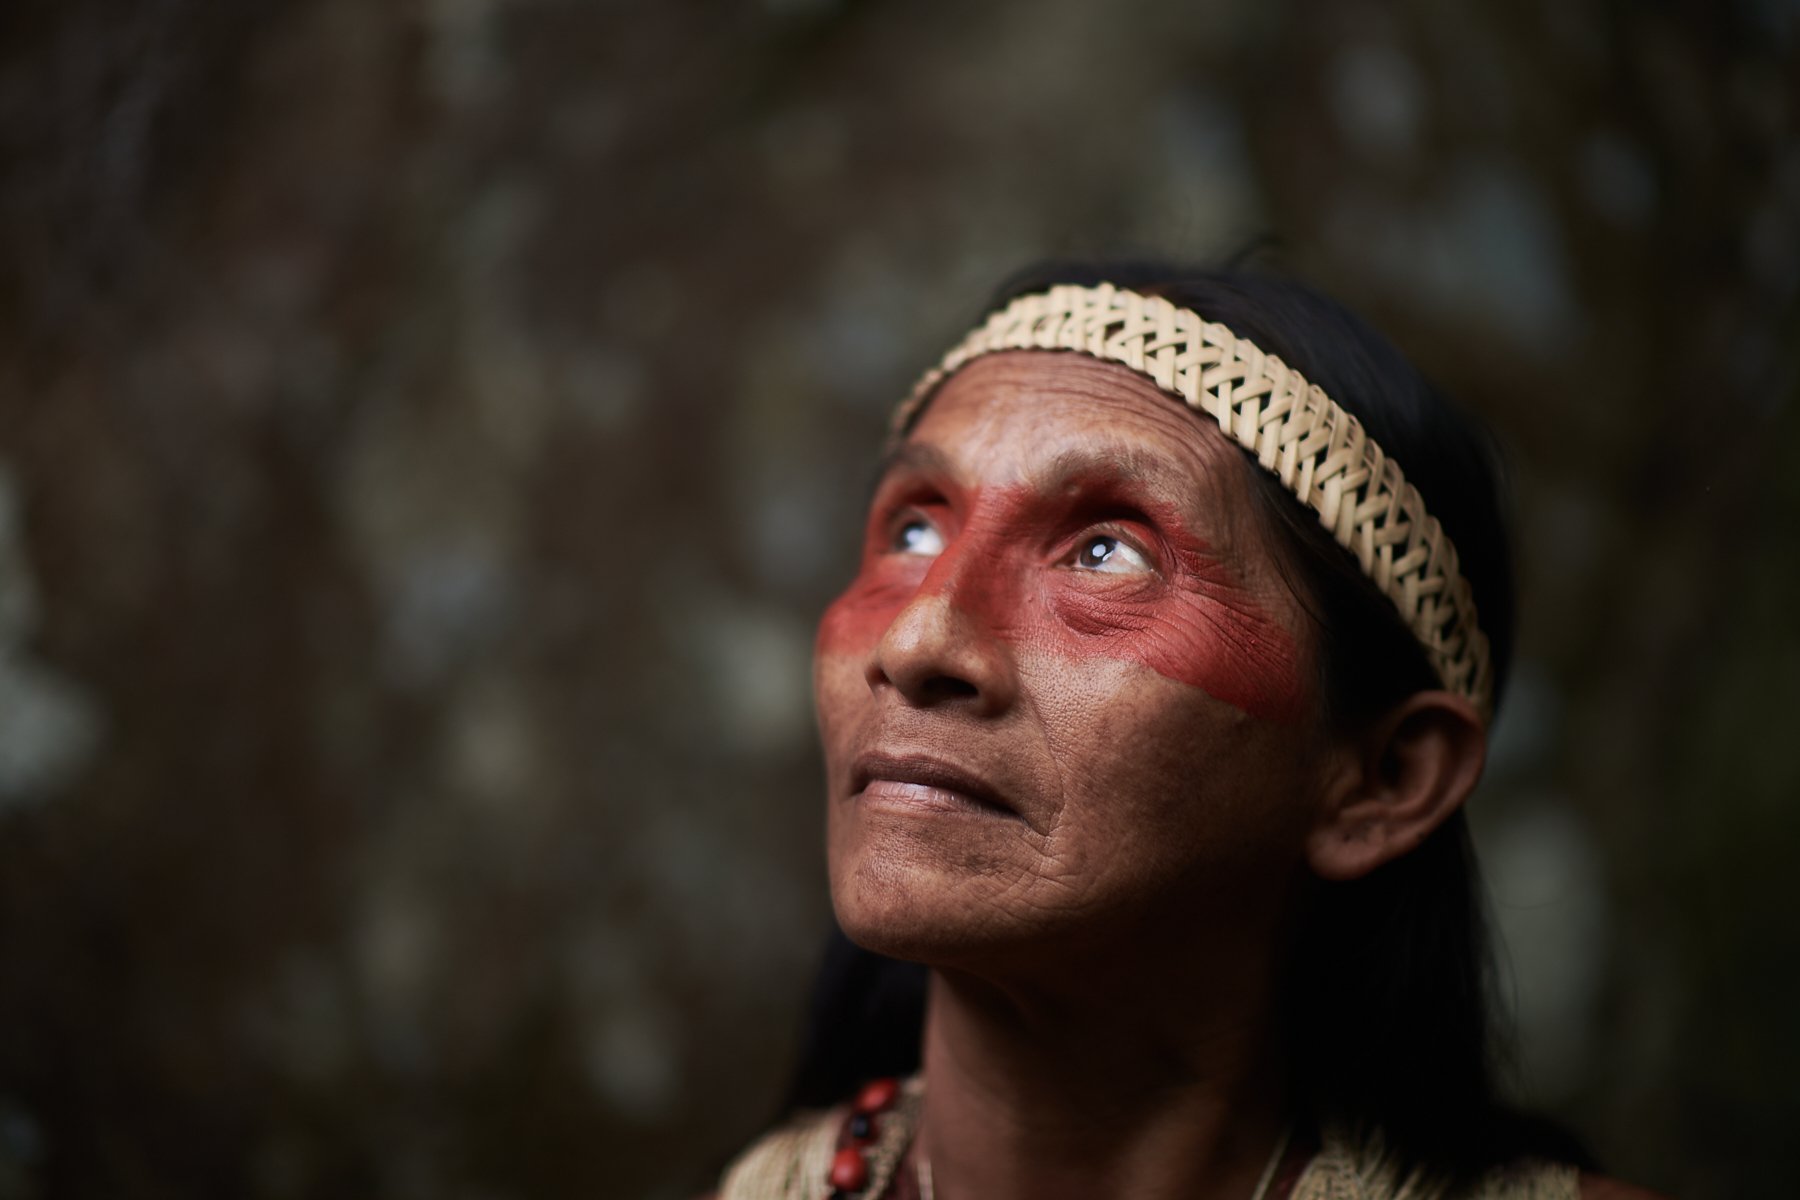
[(1388, 1010)]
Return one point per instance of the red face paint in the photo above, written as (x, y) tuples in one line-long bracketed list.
[(1007, 567)]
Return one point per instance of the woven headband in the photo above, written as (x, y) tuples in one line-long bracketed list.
[(1318, 451)]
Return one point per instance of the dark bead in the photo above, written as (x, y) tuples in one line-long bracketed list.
[(862, 1127)]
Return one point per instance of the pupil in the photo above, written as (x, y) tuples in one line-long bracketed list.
[(1101, 550)]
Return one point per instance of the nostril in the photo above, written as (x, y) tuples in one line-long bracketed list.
[(948, 687), (925, 689)]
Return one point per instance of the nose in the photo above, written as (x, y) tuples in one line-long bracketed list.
[(942, 648)]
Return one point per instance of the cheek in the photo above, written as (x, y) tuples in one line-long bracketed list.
[(1224, 645), (849, 631), (1169, 786), (855, 621), (837, 685)]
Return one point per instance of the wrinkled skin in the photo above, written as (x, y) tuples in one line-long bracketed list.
[(1076, 764), (1067, 703)]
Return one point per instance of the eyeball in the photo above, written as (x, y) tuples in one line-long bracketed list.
[(1103, 552), (919, 536)]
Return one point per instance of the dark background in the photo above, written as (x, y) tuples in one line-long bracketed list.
[(429, 430)]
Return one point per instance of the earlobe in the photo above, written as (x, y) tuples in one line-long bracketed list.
[(1396, 784)]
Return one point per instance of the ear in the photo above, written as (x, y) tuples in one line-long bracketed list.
[(1396, 783)]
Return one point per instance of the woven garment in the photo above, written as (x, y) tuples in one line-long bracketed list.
[(792, 1162), (1343, 1170), (1318, 451)]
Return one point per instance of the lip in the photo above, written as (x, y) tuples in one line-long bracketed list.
[(917, 781)]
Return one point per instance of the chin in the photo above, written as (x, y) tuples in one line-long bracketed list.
[(914, 937), (943, 904), (920, 911)]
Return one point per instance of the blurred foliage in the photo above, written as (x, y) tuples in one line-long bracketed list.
[(428, 431)]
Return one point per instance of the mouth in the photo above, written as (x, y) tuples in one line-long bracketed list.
[(923, 784)]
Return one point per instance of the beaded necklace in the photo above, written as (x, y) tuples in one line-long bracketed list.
[(874, 1141)]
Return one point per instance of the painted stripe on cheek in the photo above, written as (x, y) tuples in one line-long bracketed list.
[(1195, 624)]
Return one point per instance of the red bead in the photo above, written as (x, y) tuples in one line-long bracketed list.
[(849, 1173), (876, 1095)]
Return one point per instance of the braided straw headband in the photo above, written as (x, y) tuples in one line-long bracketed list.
[(1318, 451)]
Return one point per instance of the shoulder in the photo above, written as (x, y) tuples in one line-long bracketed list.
[(1599, 1187)]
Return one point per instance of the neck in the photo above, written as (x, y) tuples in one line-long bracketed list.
[(1168, 1087)]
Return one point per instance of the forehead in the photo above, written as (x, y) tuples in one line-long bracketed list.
[(1037, 418)]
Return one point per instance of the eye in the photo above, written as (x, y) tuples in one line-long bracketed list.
[(1103, 552), (918, 536)]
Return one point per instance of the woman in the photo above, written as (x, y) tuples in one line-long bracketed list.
[(1148, 721)]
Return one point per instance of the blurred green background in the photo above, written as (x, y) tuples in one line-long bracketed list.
[(429, 429)]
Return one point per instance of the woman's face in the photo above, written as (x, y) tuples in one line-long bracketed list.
[(1068, 698)]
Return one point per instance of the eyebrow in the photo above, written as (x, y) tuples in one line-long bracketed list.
[(910, 456), (1152, 476), (1131, 465), (1127, 463)]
